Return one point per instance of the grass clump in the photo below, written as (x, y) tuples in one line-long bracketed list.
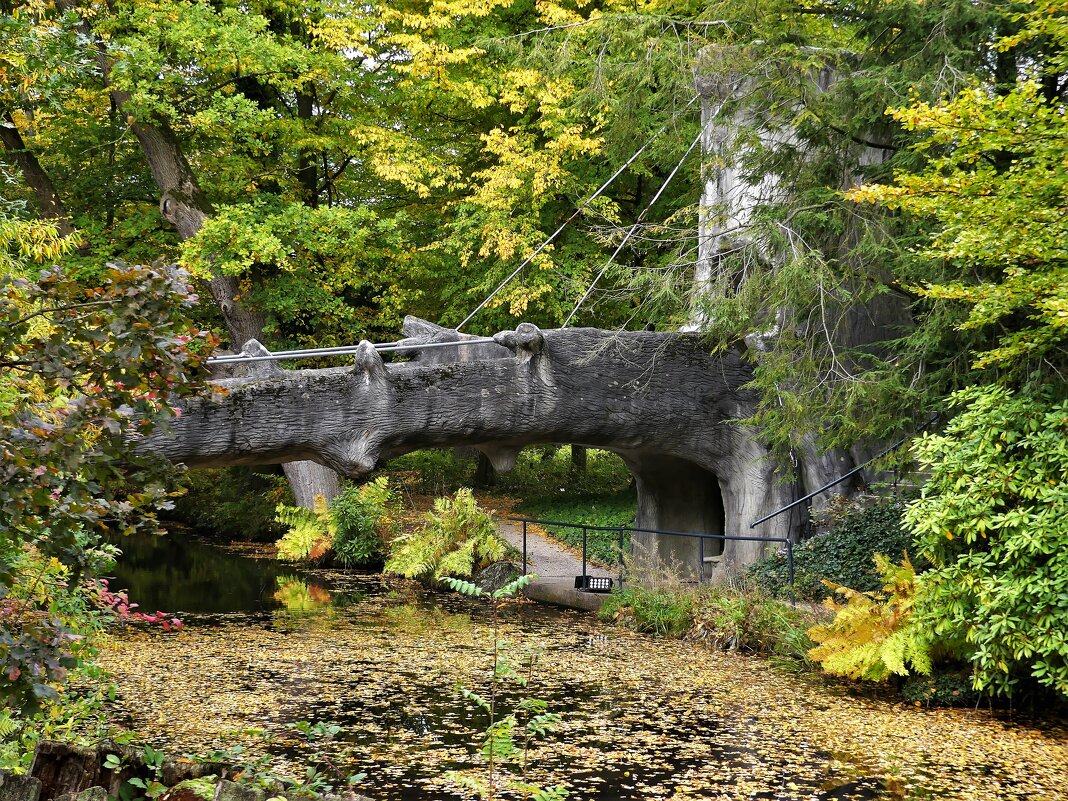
[(650, 610), (754, 623), (722, 618)]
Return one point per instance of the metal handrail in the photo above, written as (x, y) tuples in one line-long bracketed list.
[(344, 350), (885, 452), (702, 536)]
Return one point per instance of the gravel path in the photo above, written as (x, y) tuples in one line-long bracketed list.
[(545, 557)]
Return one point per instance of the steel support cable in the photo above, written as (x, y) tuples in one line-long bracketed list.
[(635, 226), (385, 347), (389, 347), (571, 219)]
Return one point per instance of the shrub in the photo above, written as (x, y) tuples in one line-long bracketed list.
[(842, 556), (431, 471), (233, 503), (365, 517), (458, 540), (993, 520), (941, 688), (874, 635)]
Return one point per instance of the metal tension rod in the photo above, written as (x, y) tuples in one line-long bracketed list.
[(344, 350)]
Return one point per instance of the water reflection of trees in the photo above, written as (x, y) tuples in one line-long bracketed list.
[(181, 574)]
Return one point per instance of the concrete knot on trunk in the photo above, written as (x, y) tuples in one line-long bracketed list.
[(526, 341), (265, 369), (369, 362)]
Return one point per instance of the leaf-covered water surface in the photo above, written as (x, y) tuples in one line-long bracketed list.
[(642, 718)]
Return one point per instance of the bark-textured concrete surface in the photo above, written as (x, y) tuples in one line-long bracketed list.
[(661, 401)]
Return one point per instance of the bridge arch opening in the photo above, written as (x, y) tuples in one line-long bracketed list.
[(674, 494)]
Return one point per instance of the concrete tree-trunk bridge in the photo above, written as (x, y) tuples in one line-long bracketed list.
[(658, 400)]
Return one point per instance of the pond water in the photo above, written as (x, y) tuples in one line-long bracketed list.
[(266, 646)]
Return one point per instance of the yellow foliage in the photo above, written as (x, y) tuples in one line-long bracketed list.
[(311, 531), (872, 635)]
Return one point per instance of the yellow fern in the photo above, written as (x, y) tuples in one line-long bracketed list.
[(872, 635)]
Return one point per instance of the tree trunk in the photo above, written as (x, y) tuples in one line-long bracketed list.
[(578, 459), (660, 401), (485, 475), (307, 172), (308, 480), (48, 200), (184, 204)]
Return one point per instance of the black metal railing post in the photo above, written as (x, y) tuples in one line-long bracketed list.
[(583, 556), (701, 560), (583, 580), (790, 571)]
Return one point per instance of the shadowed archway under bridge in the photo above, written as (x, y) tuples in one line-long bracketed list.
[(659, 400)]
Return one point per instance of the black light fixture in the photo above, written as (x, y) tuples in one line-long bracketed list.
[(593, 584)]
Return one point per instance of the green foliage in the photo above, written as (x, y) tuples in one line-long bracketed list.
[(85, 372), (993, 521), (507, 737), (842, 555), (432, 471), (753, 623), (232, 503), (80, 718), (458, 539), (733, 620), (322, 273), (943, 687), (366, 521), (310, 534), (543, 475), (512, 588), (47, 644), (993, 188), (875, 635), (616, 510), (91, 369), (354, 530)]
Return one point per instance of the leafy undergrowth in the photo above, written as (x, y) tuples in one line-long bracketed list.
[(458, 539), (723, 620), (842, 555), (642, 718)]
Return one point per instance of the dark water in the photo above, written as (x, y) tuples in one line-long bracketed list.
[(180, 574), (221, 590)]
